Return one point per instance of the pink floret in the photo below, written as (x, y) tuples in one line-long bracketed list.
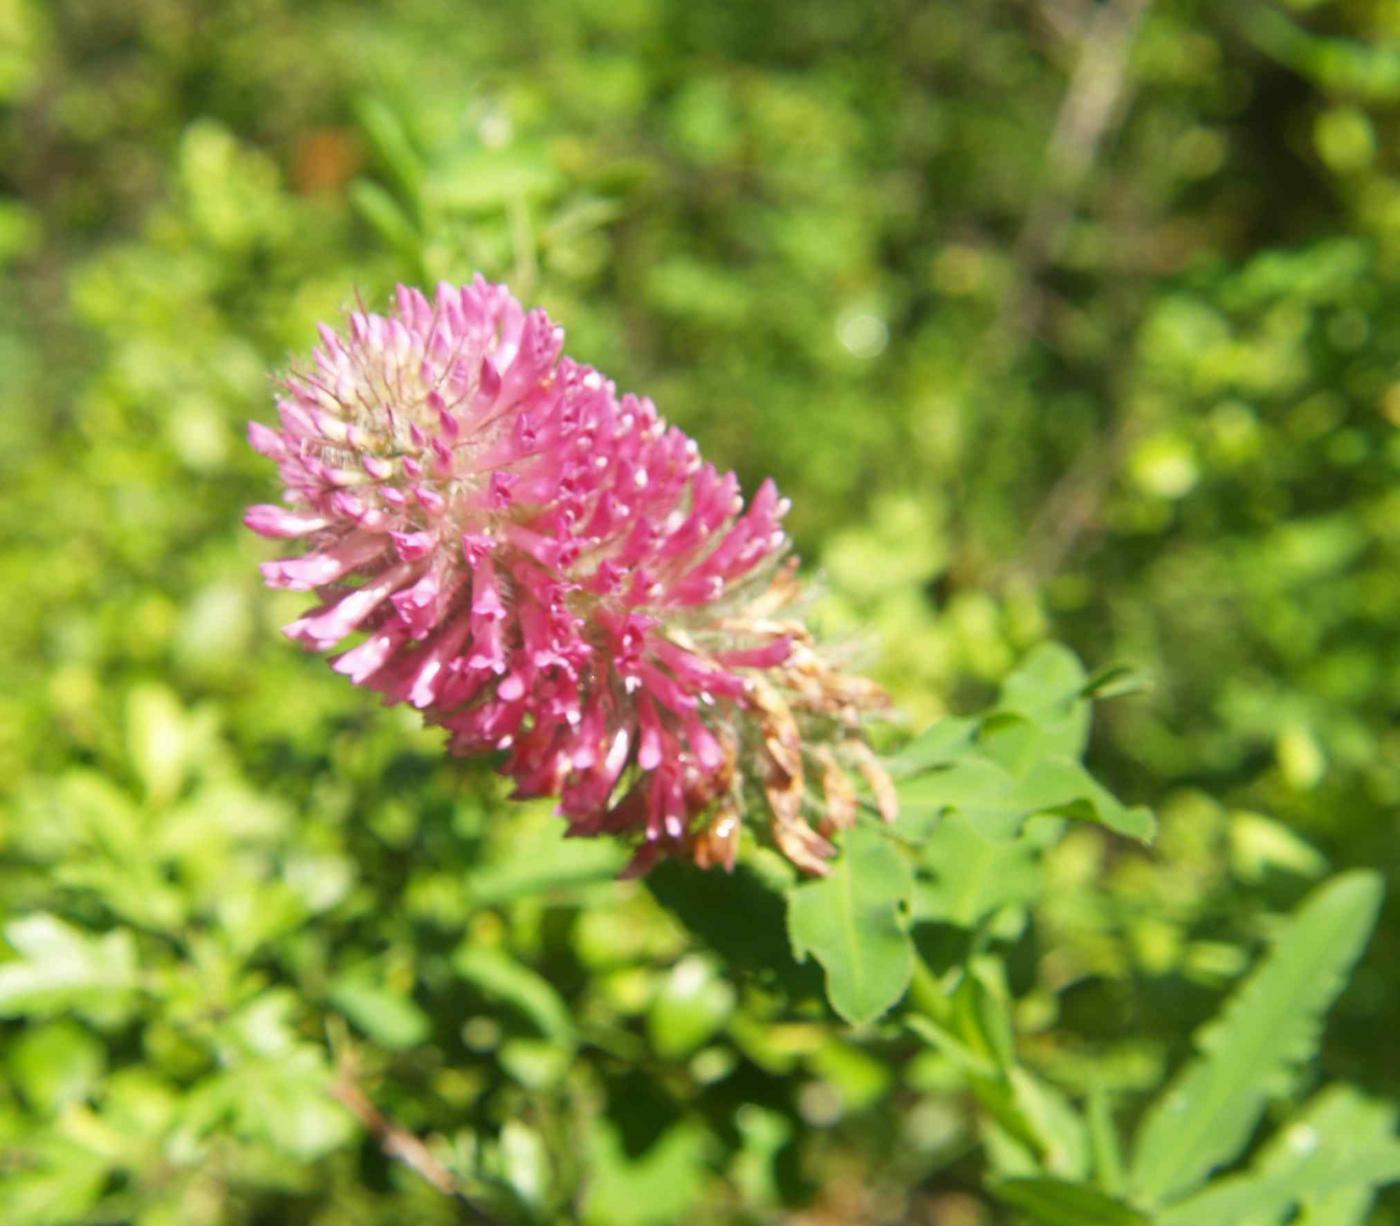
[(545, 569)]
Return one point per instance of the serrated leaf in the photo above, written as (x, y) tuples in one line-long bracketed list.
[(1269, 1027), (1242, 1197), (1060, 1202), (853, 922), (1337, 1121)]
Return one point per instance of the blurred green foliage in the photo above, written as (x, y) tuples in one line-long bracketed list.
[(1055, 318)]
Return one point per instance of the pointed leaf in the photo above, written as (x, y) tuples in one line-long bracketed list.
[(1240, 1198), (1064, 788), (1300, 1164), (496, 974), (1268, 1028), (1103, 1142), (1060, 1202)]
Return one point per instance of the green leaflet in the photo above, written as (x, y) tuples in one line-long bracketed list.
[(1058, 1202), (853, 922), (1019, 761), (974, 877), (938, 745), (1268, 1028), (390, 1018), (496, 974), (691, 1005), (1048, 690), (1337, 1118), (1241, 1197), (1328, 1159), (998, 799)]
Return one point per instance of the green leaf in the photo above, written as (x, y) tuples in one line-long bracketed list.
[(58, 1181), (157, 741), (1066, 789), (658, 1185), (1269, 1027), (1338, 1118), (974, 785), (1030, 1124), (56, 1064), (1241, 1198), (549, 864), (390, 140), (853, 922), (938, 745), (61, 967), (1300, 1163), (496, 974), (537, 1064), (1048, 691), (484, 180), (974, 877), (1104, 1147), (740, 915), (284, 1102), (1260, 846), (387, 217), (692, 1004), (997, 800), (1060, 1202), (390, 1018), (524, 1160)]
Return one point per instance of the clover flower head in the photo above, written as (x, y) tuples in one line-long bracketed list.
[(550, 572)]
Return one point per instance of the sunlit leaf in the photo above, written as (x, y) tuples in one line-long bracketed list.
[(854, 923), (1249, 1053)]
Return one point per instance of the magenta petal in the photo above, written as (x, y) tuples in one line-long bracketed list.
[(274, 521), (544, 566)]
